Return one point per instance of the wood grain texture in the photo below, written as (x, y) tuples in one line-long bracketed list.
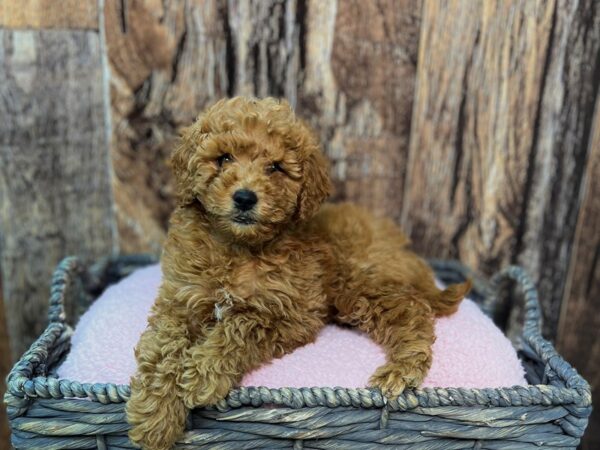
[(55, 196), (136, 40), (314, 53), (373, 67), (579, 330), (501, 120), (153, 97), (477, 96), (561, 147), (67, 14)]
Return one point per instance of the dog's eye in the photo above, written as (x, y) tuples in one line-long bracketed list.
[(274, 167), (224, 158)]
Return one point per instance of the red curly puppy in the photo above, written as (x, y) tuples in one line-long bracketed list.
[(254, 267)]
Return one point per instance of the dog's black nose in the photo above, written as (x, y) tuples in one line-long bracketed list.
[(244, 199)]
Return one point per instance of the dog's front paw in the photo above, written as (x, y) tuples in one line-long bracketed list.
[(156, 421), (393, 377), (205, 396), (201, 387)]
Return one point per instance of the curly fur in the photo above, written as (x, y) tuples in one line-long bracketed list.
[(236, 295)]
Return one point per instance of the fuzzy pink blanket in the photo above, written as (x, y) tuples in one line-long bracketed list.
[(469, 350)]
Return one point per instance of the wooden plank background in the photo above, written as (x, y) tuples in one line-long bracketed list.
[(501, 123), (469, 123), (55, 194), (579, 322)]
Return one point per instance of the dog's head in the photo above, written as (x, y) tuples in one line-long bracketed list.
[(252, 166)]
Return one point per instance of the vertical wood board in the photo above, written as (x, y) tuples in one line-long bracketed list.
[(55, 194), (502, 114), (578, 334)]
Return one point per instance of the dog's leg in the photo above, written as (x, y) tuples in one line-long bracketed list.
[(155, 411), (401, 321), (236, 346)]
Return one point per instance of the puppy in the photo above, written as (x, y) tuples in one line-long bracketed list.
[(254, 266)]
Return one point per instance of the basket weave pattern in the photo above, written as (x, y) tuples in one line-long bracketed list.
[(50, 413)]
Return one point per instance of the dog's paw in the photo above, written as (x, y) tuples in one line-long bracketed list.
[(393, 378), (201, 387), (152, 439), (156, 423), (206, 395)]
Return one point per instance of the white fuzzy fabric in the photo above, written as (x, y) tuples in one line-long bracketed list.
[(470, 351)]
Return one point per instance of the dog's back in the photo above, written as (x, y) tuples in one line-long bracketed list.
[(377, 250)]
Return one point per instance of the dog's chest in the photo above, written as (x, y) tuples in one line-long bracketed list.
[(220, 288), (240, 285)]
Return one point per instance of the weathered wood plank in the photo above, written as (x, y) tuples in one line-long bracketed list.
[(560, 151), (141, 46), (67, 14), (579, 322), (136, 40), (153, 97), (498, 141), (315, 53), (55, 194), (472, 120), (367, 96)]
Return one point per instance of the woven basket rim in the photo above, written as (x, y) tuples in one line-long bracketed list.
[(567, 388)]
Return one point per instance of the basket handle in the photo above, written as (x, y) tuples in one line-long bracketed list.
[(533, 315), (91, 279), (486, 293), (62, 279)]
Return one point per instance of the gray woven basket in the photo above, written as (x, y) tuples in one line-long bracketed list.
[(50, 413)]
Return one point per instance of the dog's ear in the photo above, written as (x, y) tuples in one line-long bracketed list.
[(182, 164), (316, 185)]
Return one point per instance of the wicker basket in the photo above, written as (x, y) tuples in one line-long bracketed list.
[(552, 411)]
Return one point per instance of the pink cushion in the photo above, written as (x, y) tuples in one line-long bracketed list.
[(469, 351)]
